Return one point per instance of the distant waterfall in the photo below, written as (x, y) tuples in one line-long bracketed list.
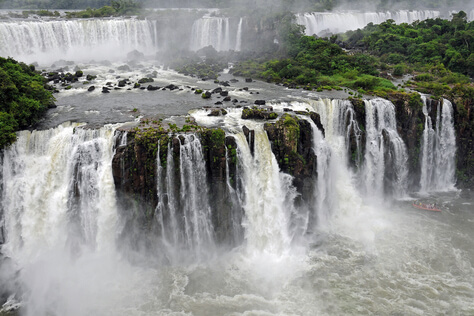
[(58, 190), (85, 39), (238, 40), (339, 22), (438, 150), (183, 207), (216, 31), (384, 148)]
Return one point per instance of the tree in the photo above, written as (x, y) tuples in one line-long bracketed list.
[(23, 98)]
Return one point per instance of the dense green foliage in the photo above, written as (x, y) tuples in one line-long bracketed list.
[(23, 98), (116, 8), (424, 42), (314, 62)]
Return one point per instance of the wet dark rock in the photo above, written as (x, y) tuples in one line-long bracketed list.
[(224, 93), (260, 102), (217, 90), (105, 90), (217, 112), (206, 95), (90, 77), (172, 87), (291, 139), (259, 113), (122, 83), (152, 88), (145, 80), (226, 99), (248, 80), (91, 88), (70, 77), (233, 80)]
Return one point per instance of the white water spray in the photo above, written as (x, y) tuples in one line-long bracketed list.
[(339, 22), (438, 150), (185, 213), (53, 176), (268, 197), (84, 39), (383, 142), (215, 32)]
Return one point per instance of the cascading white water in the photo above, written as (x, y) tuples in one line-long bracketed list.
[(194, 195), (48, 41), (335, 191), (339, 22), (438, 150), (54, 180), (185, 217), (215, 32), (381, 130), (238, 40), (268, 196)]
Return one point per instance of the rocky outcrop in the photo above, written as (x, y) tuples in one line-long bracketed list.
[(135, 175), (464, 125), (135, 171), (410, 126), (291, 139)]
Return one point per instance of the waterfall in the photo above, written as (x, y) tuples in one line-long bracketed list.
[(338, 22), (58, 190), (335, 191), (183, 207), (384, 149), (234, 187), (215, 32), (341, 127), (268, 196), (85, 39), (438, 150), (238, 40)]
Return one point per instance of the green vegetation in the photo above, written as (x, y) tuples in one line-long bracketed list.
[(432, 41), (23, 98), (317, 63), (116, 8)]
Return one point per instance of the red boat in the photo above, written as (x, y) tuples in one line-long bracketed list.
[(428, 207)]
